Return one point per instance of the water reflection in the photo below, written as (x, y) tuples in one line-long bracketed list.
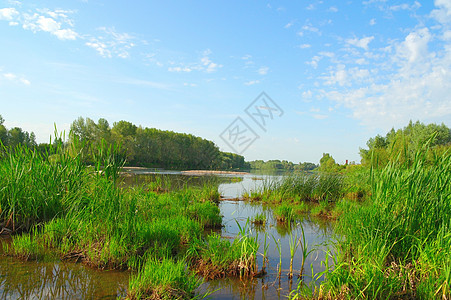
[(36, 280), (317, 234)]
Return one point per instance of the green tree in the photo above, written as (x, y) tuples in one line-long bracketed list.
[(3, 132), (327, 164)]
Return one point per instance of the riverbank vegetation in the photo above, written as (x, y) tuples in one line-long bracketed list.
[(393, 216), (55, 206), (397, 244)]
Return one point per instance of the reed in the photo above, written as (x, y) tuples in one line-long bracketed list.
[(279, 250), (398, 245)]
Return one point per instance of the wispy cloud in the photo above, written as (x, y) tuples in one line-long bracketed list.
[(111, 43), (204, 64), (263, 70), (252, 82), (289, 25), (333, 9), (361, 43), (15, 78)]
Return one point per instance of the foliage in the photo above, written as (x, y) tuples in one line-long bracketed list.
[(402, 144), (327, 164), (152, 147), (15, 136), (281, 165)]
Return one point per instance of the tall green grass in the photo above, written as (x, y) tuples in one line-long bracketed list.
[(398, 245), (299, 187), (55, 204), (35, 188)]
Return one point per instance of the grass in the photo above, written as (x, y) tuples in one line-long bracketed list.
[(54, 205), (398, 245), (259, 219), (219, 258), (162, 279), (291, 194)]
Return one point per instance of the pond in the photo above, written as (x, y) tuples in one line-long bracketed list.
[(61, 280)]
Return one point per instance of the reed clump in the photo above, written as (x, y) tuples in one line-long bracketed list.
[(399, 244)]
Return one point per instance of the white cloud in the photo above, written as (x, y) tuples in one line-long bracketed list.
[(48, 24), (53, 24), (263, 70), (333, 9), (111, 43), (305, 46), (372, 22), (252, 82), (409, 78), (320, 116), (443, 13), (100, 47), (288, 25), (66, 34), (15, 78), (204, 64), (361, 43), (405, 6), (415, 46), (310, 28), (8, 13), (179, 69)]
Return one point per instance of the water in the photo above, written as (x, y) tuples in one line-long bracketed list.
[(61, 280), (317, 234), (58, 280)]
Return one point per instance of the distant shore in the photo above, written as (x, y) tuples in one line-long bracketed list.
[(193, 172), (209, 172)]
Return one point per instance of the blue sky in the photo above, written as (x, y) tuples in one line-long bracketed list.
[(341, 71)]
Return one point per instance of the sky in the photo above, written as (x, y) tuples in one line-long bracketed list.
[(286, 80)]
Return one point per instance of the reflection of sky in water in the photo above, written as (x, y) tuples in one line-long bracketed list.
[(250, 182), (317, 234)]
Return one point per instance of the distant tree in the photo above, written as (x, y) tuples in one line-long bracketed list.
[(327, 164), (402, 144), (306, 166), (3, 132), (17, 136)]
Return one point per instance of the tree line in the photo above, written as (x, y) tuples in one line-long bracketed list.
[(276, 164), (151, 147), (402, 144), (16, 136), (140, 146)]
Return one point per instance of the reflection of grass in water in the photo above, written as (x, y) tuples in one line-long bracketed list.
[(57, 280)]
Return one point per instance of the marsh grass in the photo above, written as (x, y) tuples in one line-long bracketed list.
[(259, 219), (218, 257), (35, 188), (162, 279), (291, 193), (55, 204), (398, 245)]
